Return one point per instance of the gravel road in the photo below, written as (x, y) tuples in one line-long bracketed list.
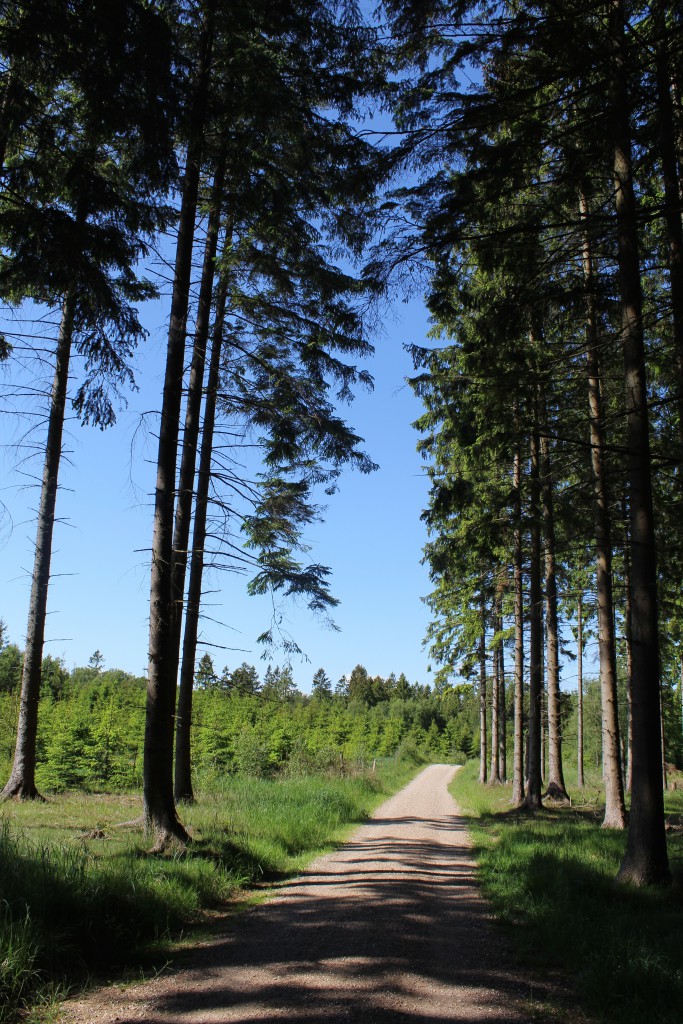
[(389, 929)]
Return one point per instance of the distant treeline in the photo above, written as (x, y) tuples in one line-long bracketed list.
[(92, 722)]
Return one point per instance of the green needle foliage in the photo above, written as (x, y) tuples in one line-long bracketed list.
[(543, 141)]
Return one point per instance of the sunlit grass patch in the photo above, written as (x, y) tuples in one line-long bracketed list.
[(80, 895), (551, 879)]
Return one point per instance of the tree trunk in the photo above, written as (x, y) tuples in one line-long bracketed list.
[(482, 695), (21, 784), (183, 510), (665, 781), (629, 658), (533, 797), (544, 720), (494, 775), (672, 197), (555, 788), (5, 116), (645, 861), (678, 128), (161, 819), (580, 781), (502, 710), (680, 696), (518, 741), (183, 758), (615, 809)]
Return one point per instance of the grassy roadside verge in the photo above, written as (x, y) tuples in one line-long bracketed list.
[(550, 879), (80, 897)]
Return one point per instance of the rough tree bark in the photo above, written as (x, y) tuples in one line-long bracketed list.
[(188, 461), (483, 771), (615, 809), (502, 735), (677, 103), (21, 783), (544, 714), (160, 815), (672, 196), (518, 742), (580, 780), (494, 774), (645, 861), (533, 800), (183, 759), (5, 113), (555, 788), (629, 658)]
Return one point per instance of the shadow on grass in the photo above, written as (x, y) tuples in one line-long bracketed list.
[(79, 923), (237, 859), (390, 930), (551, 879)]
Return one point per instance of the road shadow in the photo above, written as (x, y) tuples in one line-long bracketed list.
[(390, 930)]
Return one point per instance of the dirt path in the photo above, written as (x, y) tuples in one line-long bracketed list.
[(390, 929)]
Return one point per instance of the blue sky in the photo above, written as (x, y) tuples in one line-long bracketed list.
[(371, 538)]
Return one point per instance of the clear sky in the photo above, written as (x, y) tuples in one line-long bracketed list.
[(372, 536)]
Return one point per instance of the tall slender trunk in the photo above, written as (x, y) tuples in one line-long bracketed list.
[(672, 196), (482, 694), (183, 510), (629, 658), (544, 702), (161, 818), (580, 781), (494, 774), (615, 809), (665, 780), (645, 860), (21, 783), (502, 736), (671, 150), (518, 741), (678, 130), (183, 759), (183, 505), (555, 787), (5, 116), (544, 721), (680, 696), (533, 797)]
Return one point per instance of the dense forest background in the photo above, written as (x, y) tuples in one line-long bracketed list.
[(91, 731)]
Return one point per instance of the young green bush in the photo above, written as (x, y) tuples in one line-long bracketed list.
[(91, 728)]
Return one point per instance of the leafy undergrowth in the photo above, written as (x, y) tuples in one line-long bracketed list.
[(81, 897), (551, 880)]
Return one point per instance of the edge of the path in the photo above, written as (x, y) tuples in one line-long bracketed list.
[(542, 998)]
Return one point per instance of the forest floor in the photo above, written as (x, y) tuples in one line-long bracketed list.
[(389, 929)]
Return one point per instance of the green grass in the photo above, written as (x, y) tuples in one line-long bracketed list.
[(81, 897), (550, 879)]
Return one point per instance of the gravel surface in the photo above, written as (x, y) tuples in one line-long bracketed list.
[(389, 929)]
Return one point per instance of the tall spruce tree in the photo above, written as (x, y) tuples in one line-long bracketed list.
[(292, 316), (562, 108), (85, 173)]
